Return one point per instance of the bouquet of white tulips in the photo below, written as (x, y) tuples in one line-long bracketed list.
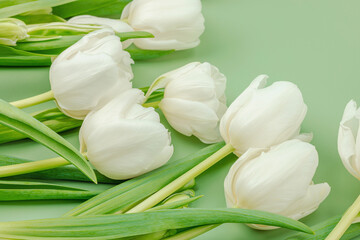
[(124, 141)]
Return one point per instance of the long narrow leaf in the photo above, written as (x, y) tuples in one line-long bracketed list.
[(52, 118), (323, 229), (125, 195), (10, 56), (24, 123), (127, 225), (60, 173), (143, 54), (40, 18), (30, 6), (24, 190), (82, 7), (44, 194)]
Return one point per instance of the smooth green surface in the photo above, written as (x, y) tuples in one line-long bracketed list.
[(315, 44)]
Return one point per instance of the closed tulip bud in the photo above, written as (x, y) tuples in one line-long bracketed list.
[(194, 100), (349, 139), (123, 139), (90, 73), (12, 30), (176, 24), (263, 116), (116, 25), (277, 181)]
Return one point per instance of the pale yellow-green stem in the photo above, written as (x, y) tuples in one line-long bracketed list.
[(152, 104), (192, 233), (345, 221), (31, 101), (35, 166), (182, 180)]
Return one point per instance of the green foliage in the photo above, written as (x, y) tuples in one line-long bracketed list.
[(22, 122)]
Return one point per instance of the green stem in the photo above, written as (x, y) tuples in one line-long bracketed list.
[(345, 221), (152, 104), (192, 233), (29, 167), (31, 101), (35, 166), (182, 180)]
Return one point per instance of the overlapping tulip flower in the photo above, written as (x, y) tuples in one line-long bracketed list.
[(12, 30), (194, 100), (277, 181), (175, 24), (90, 73), (124, 139), (262, 117)]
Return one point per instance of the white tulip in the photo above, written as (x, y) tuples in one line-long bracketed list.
[(12, 30), (263, 116), (349, 139), (90, 73), (277, 181), (194, 100), (176, 24), (116, 25), (123, 139)]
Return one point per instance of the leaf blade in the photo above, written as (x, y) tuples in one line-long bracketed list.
[(30, 6), (24, 123), (127, 225)]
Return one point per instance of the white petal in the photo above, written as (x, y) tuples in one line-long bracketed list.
[(315, 195), (276, 112), (193, 100), (176, 24), (119, 137), (349, 127), (90, 73), (245, 96)]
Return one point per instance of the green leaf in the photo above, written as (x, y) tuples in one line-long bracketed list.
[(10, 56), (24, 123), (25, 190), (127, 225), (91, 7), (143, 54), (125, 195), (52, 118), (323, 229), (40, 18), (44, 194), (175, 204), (60, 173), (30, 6)]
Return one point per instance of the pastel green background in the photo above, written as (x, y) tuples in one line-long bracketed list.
[(315, 44)]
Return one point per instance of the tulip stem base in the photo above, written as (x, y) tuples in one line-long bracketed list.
[(345, 222), (31, 101), (192, 233), (152, 104), (182, 180)]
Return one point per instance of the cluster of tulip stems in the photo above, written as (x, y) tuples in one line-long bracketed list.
[(122, 137)]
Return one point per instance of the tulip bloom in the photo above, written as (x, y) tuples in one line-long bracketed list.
[(194, 100), (124, 139), (348, 139), (263, 116), (12, 30), (90, 73), (277, 181), (176, 24)]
